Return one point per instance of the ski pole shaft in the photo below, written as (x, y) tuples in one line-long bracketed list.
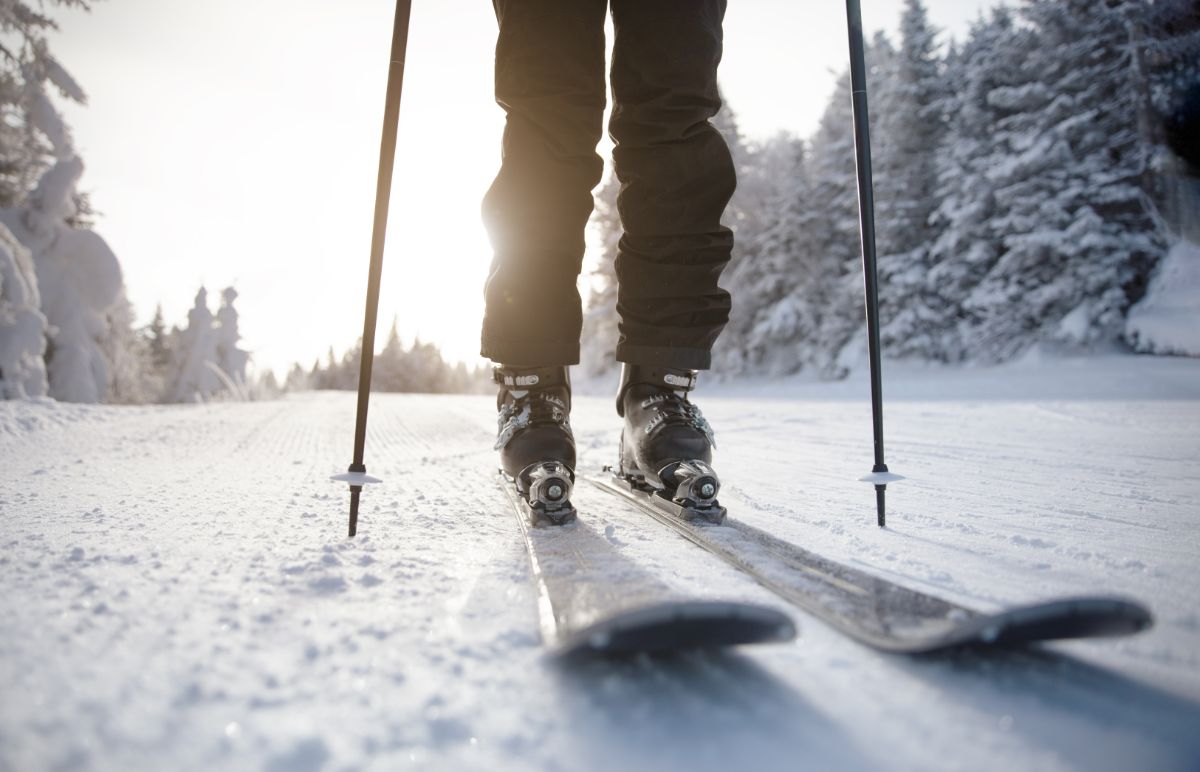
[(866, 221), (383, 192)]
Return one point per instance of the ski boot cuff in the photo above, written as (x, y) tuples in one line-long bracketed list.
[(670, 378), (530, 378)]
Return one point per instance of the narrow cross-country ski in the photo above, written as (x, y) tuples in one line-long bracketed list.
[(875, 611), (591, 599)]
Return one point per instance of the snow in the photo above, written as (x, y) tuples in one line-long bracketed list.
[(176, 589), (1167, 320)]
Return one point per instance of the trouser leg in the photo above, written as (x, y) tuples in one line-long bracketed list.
[(676, 178), (550, 82)]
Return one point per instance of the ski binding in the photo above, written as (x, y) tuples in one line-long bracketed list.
[(545, 493), (694, 498)]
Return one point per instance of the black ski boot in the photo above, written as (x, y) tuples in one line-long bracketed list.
[(537, 449), (666, 445)]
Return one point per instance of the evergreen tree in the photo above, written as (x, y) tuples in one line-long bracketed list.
[(79, 280), (1167, 55), (22, 324), (157, 339), (231, 359), (194, 377), (968, 243), (1078, 237), (32, 134), (912, 90), (767, 270), (390, 371), (598, 340), (133, 379), (297, 379)]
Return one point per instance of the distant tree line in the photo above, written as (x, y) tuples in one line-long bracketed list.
[(418, 367), (1024, 195)]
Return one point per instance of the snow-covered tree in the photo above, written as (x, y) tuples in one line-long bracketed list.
[(32, 134), (133, 378), (159, 345), (1167, 54), (22, 324), (799, 289), (391, 370), (195, 376), (297, 379), (1067, 168), (79, 280), (968, 239), (598, 341), (92, 346), (231, 359), (909, 94)]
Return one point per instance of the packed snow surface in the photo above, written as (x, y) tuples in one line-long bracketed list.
[(177, 591)]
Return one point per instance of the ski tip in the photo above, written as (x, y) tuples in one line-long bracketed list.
[(881, 478), (680, 626), (355, 478)]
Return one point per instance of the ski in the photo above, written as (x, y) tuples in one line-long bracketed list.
[(874, 611), (593, 600)]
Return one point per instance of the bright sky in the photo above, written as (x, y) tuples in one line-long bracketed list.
[(237, 142)]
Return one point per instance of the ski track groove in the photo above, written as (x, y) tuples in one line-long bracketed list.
[(184, 592)]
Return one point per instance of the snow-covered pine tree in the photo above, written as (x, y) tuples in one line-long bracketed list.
[(79, 280), (803, 275), (827, 230), (392, 369), (771, 319), (909, 93), (768, 269), (429, 369), (26, 65), (968, 242), (194, 378), (158, 341), (1079, 238), (598, 341), (231, 359), (22, 324), (297, 379), (1168, 51), (345, 373), (766, 174), (133, 379)]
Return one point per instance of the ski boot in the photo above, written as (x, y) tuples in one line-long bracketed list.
[(537, 449), (666, 445)]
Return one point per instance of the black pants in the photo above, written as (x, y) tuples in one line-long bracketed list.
[(674, 168)]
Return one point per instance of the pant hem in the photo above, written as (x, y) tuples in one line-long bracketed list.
[(524, 353), (665, 356)]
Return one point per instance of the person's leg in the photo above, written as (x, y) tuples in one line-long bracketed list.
[(550, 82), (676, 178)]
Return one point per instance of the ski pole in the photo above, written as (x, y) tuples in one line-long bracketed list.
[(880, 476), (357, 475)]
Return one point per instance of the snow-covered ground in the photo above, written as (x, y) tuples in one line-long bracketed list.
[(177, 592)]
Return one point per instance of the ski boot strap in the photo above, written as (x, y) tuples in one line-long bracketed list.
[(530, 378), (670, 378)]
